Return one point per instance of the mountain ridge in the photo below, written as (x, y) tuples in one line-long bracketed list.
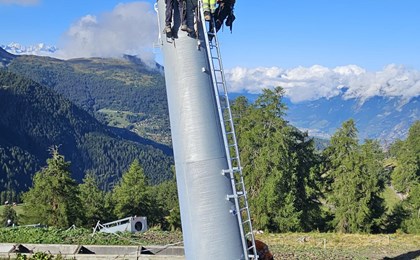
[(323, 116), (37, 49), (108, 88), (384, 118), (34, 118)]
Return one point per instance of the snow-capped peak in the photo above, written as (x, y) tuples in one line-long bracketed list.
[(40, 49)]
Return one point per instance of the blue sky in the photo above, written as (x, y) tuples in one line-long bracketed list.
[(272, 38)]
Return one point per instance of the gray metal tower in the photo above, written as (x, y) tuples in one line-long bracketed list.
[(214, 209)]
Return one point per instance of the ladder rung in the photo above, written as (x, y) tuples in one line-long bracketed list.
[(250, 247), (228, 197), (225, 171), (234, 169), (246, 221)]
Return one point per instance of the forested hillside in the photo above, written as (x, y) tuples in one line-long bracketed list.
[(35, 118), (124, 93), (5, 57)]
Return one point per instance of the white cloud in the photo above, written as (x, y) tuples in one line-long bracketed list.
[(129, 28), (20, 2), (315, 82)]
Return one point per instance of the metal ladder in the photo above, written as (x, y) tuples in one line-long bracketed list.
[(234, 171)]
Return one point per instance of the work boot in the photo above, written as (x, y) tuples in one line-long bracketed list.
[(207, 16), (185, 28), (210, 35), (168, 31)]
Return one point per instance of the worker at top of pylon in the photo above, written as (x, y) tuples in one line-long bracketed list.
[(209, 7), (224, 11), (182, 7)]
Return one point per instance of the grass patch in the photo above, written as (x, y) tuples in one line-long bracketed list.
[(340, 246), (283, 246), (118, 118), (148, 127), (84, 236)]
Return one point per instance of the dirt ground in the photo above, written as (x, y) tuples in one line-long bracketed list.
[(342, 246)]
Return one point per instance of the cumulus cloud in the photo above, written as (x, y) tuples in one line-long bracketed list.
[(129, 28), (301, 84), (20, 2)]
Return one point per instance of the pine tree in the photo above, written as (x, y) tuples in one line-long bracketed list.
[(131, 195), (166, 209), (412, 223), (354, 178), (374, 176), (92, 200), (53, 200), (276, 160), (407, 172)]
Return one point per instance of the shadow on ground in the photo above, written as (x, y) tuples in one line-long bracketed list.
[(407, 256)]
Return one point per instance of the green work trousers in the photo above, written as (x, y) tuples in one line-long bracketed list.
[(209, 5)]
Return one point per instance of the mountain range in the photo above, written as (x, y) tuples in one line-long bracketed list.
[(104, 113), (383, 118), (38, 49)]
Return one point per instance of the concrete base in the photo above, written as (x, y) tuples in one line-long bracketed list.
[(10, 251)]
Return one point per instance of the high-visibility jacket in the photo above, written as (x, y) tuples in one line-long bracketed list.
[(209, 5)]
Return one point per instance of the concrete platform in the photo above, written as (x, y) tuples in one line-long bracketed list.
[(10, 251)]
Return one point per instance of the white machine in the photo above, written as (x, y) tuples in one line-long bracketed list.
[(130, 224)]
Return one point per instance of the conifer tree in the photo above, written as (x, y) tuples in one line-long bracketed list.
[(53, 200), (354, 175), (166, 205), (276, 160), (412, 223), (407, 172), (406, 177), (131, 195), (92, 200)]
